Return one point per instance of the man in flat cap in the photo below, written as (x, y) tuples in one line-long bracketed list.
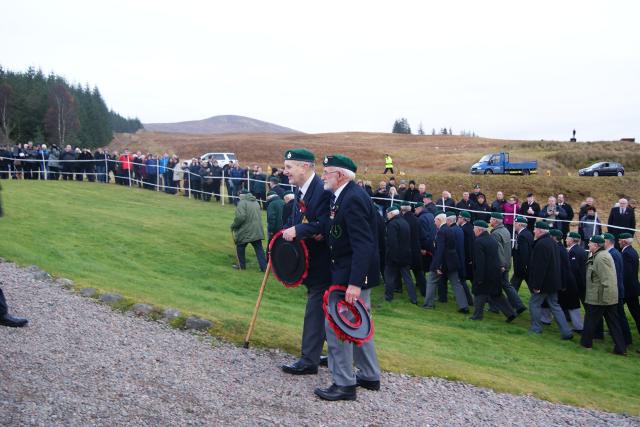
[(630, 270), (545, 281), (353, 241), (309, 217), (601, 299)]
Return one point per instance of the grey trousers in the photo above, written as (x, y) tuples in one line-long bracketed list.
[(458, 290), (509, 290), (343, 354), (499, 302), (313, 334), (535, 308)]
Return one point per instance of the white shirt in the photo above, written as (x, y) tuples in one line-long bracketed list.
[(339, 190), (305, 187)]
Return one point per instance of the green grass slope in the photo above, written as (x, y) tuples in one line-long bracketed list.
[(170, 251)]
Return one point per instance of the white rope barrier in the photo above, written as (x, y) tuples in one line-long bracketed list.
[(158, 187)]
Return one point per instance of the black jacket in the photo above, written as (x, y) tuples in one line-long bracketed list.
[(522, 253), (578, 262), (445, 258), (544, 267), (414, 238), (311, 217), (568, 294), (469, 239), (353, 239), (486, 268), (630, 272), (524, 210), (628, 220), (398, 248)]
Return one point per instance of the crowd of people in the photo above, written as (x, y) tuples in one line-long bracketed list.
[(200, 179)]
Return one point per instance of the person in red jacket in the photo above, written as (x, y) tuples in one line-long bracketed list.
[(126, 166)]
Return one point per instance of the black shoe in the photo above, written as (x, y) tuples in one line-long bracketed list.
[(510, 319), (299, 368), (13, 322), (578, 331), (369, 385), (324, 361), (397, 291), (521, 310), (568, 337), (335, 392), (546, 323), (237, 267), (464, 310)]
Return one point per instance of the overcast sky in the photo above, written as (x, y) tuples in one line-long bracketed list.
[(507, 69)]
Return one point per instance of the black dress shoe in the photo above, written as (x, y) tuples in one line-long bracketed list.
[(510, 319), (324, 360), (335, 392), (464, 310), (237, 267), (369, 385), (299, 368), (13, 322), (521, 310)]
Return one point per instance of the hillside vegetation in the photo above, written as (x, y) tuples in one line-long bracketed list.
[(170, 251)]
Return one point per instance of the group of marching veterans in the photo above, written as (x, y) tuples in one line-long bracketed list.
[(356, 237)]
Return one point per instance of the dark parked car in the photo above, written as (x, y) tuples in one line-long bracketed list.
[(602, 169)]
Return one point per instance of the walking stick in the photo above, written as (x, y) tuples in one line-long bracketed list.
[(252, 324), (235, 245)]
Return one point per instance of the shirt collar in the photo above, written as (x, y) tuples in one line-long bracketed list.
[(339, 190), (306, 185)]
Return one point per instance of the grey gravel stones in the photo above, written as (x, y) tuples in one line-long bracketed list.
[(141, 309), (88, 292), (65, 283), (110, 298), (198, 324), (80, 363)]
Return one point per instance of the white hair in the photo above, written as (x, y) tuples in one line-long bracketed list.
[(442, 217), (348, 173), (405, 208)]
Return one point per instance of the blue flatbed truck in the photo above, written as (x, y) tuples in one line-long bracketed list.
[(499, 164)]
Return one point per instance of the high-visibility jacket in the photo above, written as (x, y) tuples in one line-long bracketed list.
[(388, 162)]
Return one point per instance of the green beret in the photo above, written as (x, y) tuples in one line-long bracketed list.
[(542, 225), (274, 178), (418, 204), (497, 215), (427, 195), (480, 223), (271, 193), (465, 214), (451, 213), (438, 212), (301, 154), (393, 208), (556, 233), (624, 236), (339, 161), (405, 203), (608, 236), (574, 235), (521, 219), (597, 239), (286, 193)]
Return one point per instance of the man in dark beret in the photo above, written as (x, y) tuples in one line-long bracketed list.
[(487, 285), (399, 254), (353, 241), (310, 216), (521, 252), (578, 262), (545, 281), (609, 245), (568, 296)]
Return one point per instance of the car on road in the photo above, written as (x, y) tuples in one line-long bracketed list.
[(603, 169)]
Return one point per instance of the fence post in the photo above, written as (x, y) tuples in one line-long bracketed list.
[(189, 176), (106, 168), (129, 171), (44, 166), (223, 186), (513, 228), (158, 175)]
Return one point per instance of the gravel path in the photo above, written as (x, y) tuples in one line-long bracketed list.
[(80, 363)]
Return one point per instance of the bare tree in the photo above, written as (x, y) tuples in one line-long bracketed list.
[(61, 120), (6, 91)]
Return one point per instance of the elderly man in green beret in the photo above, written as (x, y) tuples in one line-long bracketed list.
[(503, 237), (609, 245), (601, 298), (631, 284)]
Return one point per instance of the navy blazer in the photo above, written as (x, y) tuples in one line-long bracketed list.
[(617, 261), (445, 258), (459, 236), (630, 270), (314, 220), (578, 261), (353, 239)]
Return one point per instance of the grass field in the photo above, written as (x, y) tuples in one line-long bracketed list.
[(172, 252)]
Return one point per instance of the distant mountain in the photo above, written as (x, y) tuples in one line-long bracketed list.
[(219, 124)]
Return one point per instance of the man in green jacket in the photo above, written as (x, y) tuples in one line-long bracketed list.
[(601, 299), (247, 228), (274, 214)]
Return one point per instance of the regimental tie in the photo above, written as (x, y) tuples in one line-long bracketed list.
[(332, 207)]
